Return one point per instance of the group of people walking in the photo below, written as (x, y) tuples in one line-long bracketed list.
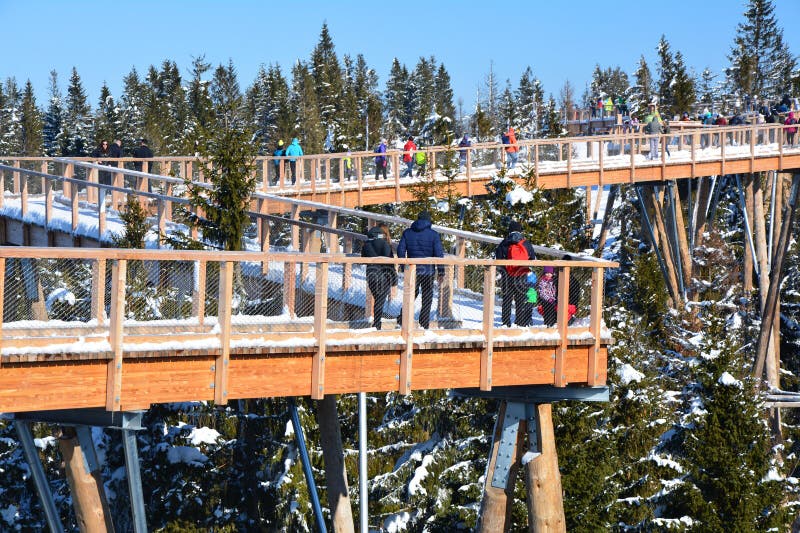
[(521, 290)]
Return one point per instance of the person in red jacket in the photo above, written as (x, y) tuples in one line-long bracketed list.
[(408, 157), (512, 150)]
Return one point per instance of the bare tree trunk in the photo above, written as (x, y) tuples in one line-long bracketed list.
[(683, 242), (700, 221), (653, 204), (335, 474)]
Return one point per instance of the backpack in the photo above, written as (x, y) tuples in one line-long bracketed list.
[(420, 158), (518, 252)]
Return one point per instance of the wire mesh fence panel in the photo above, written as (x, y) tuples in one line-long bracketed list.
[(159, 290), (47, 289)]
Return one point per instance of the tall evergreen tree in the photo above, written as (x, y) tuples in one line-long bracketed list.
[(530, 105), (666, 77), (641, 94), (608, 82), (200, 105), (308, 126), (396, 102), (508, 108), (226, 95), (30, 141), (707, 89), (106, 119), (761, 63), (444, 129), (328, 84), (52, 132), (132, 105), (683, 91), (423, 99), (77, 125), (10, 126)]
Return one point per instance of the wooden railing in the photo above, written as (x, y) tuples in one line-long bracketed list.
[(109, 304)]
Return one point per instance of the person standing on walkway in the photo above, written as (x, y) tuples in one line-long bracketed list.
[(462, 153), (280, 151), (548, 296), (380, 160), (512, 150), (421, 240), (294, 150), (791, 129), (380, 277), (408, 157), (142, 152), (514, 279), (653, 129), (100, 154)]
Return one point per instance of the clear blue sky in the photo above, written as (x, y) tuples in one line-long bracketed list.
[(559, 40)]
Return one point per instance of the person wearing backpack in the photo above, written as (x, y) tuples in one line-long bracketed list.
[(408, 157), (422, 161), (792, 129), (514, 279)]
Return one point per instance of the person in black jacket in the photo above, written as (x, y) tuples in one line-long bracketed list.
[(142, 152), (380, 277), (421, 240), (514, 279)]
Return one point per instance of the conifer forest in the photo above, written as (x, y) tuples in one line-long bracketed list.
[(686, 442)]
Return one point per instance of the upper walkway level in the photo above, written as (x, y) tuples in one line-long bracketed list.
[(349, 181)]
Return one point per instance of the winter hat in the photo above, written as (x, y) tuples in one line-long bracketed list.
[(410, 138), (548, 270), (514, 226), (280, 143), (424, 215)]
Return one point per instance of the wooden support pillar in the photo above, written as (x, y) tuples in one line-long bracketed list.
[(86, 488), (330, 436), (545, 501), (199, 292), (749, 253), (498, 502)]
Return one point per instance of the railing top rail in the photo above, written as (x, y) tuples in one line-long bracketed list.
[(22, 252)]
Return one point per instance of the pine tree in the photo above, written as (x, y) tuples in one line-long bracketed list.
[(52, 133), (226, 97), (761, 63), (328, 84), (396, 125), (77, 129), (684, 91), (200, 105), (10, 126), (641, 94), (308, 127), (30, 124), (666, 78), (106, 119)]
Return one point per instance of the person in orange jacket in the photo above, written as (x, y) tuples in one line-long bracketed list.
[(408, 157)]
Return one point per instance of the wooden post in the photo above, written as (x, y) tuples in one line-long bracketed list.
[(86, 488), (320, 331), (117, 318), (98, 290), (749, 253), (543, 479), (461, 251), (407, 331), (562, 316), (222, 363), (488, 327), (199, 292), (330, 436)]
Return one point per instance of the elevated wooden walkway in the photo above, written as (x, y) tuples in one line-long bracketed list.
[(122, 329)]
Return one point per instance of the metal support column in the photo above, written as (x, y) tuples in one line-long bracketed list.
[(363, 493), (312, 487), (134, 481), (39, 477)]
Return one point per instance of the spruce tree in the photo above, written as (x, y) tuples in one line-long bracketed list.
[(396, 125), (328, 84), (684, 91), (226, 97), (707, 90), (52, 132), (641, 94), (529, 98), (30, 141), (201, 106), (106, 118), (508, 109), (308, 126), (132, 110), (10, 126), (77, 125), (666, 78), (761, 63)]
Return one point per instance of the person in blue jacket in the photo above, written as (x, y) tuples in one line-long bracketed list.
[(421, 240), (280, 151), (293, 151), (380, 160)]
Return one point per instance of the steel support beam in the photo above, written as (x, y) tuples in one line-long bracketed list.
[(538, 393), (39, 477), (134, 481), (312, 487)]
